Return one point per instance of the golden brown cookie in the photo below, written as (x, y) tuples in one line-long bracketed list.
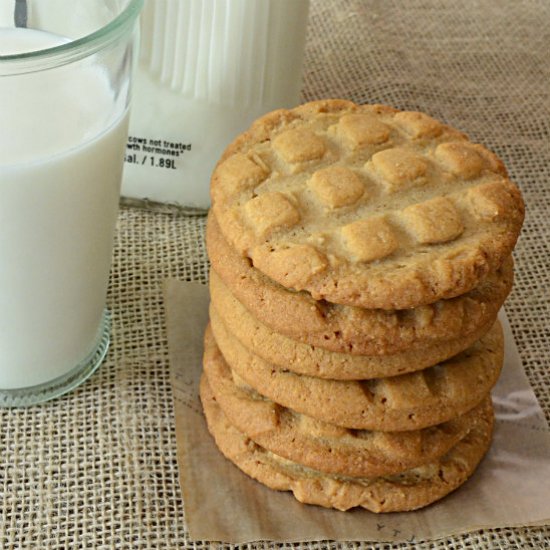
[(409, 490), (311, 360), (321, 446), (347, 329), (365, 205), (406, 402)]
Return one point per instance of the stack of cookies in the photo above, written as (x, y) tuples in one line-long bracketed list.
[(359, 256)]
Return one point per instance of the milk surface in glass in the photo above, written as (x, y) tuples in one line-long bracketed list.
[(60, 170)]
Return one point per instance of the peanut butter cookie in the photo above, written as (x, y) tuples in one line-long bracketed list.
[(366, 205), (406, 402), (322, 446), (347, 329), (408, 490), (309, 359)]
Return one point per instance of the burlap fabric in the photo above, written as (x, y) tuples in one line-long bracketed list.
[(97, 469)]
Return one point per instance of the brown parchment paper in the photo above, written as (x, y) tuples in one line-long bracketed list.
[(510, 488)]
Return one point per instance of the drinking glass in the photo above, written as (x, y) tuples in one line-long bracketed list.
[(65, 73)]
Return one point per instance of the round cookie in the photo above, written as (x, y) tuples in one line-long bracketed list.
[(406, 402), (321, 446), (365, 205), (315, 361), (347, 329), (409, 490)]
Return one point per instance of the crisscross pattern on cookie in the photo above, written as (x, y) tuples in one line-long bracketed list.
[(365, 205)]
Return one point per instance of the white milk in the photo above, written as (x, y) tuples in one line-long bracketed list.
[(60, 170)]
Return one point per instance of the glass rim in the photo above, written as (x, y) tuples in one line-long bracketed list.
[(75, 49)]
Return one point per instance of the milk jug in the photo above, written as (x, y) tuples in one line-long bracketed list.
[(207, 69)]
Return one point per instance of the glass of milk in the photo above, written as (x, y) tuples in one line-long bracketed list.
[(65, 70)]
